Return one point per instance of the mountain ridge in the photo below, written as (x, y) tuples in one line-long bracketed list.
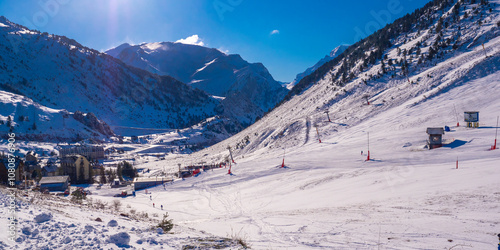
[(332, 55), (52, 70), (208, 69)]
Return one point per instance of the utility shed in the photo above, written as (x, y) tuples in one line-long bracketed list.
[(54, 183), (435, 137), (471, 118)]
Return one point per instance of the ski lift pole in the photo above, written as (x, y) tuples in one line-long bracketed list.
[(284, 149), (230, 153), (366, 96), (317, 132), (368, 157), (456, 115), (327, 115), (179, 169), (284, 152), (496, 133)]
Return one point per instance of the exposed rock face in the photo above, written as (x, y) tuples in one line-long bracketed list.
[(91, 121)]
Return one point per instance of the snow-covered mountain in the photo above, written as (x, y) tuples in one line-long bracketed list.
[(334, 53), (59, 73), (114, 52), (31, 121), (400, 69), (248, 88)]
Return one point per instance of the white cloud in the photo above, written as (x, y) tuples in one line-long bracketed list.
[(274, 32), (194, 40)]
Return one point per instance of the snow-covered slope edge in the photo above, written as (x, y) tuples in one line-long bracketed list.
[(31, 121), (54, 222)]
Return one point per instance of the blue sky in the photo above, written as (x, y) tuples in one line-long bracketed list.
[(286, 36)]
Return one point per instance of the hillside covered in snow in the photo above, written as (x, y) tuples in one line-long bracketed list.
[(58, 72), (418, 58), (40, 123)]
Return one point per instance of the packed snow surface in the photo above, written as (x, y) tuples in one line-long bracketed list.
[(328, 195)]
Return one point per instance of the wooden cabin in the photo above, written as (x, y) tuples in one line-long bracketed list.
[(435, 137)]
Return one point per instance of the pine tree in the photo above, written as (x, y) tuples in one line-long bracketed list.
[(103, 176), (119, 172), (432, 52), (111, 175), (128, 170), (439, 25), (406, 67)]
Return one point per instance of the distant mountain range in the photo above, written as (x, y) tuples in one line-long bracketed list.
[(247, 89), (58, 72), (145, 90)]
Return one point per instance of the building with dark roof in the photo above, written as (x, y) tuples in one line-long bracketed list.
[(54, 183)]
